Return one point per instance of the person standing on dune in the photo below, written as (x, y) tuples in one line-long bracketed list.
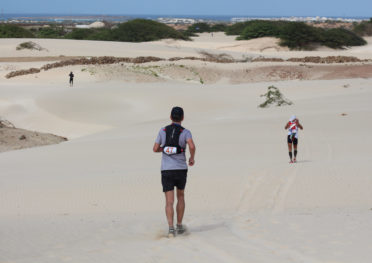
[(292, 137), (71, 75), (172, 141)]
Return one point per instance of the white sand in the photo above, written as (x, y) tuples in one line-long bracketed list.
[(97, 198), (172, 48)]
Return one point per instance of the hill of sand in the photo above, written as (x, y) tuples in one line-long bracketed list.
[(97, 197)]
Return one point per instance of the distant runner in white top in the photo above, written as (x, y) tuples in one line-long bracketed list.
[(292, 137)]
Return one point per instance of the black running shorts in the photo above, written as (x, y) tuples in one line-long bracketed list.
[(173, 178), (295, 140)]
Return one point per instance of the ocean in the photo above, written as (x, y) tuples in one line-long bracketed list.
[(126, 17)]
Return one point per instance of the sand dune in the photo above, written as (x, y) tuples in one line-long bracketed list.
[(98, 196)]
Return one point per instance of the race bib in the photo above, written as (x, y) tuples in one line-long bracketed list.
[(170, 150)]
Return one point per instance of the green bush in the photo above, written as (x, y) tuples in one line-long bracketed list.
[(298, 35), (199, 28), (363, 28), (236, 29), (50, 32), (103, 34), (13, 31), (204, 27), (260, 28), (140, 30), (91, 34), (340, 38), (218, 27), (29, 45), (80, 34), (274, 96)]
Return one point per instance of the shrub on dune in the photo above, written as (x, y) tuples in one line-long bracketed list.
[(80, 34), (140, 30), (274, 97), (236, 29), (341, 38), (199, 28), (363, 28), (204, 27), (14, 31), (298, 35), (218, 27), (50, 32), (260, 28)]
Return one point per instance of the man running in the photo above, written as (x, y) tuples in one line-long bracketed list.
[(71, 79), (172, 141), (292, 127)]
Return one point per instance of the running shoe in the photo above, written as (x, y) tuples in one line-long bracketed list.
[(171, 232), (180, 229)]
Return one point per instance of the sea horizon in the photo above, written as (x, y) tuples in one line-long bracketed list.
[(8, 16)]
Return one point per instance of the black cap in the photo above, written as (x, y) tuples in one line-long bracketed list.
[(177, 113)]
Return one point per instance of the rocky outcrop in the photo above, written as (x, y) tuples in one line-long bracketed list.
[(328, 60), (22, 72), (263, 59), (217, 58)]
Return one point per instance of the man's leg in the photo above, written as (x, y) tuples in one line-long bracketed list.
[(180, 205), (290, 150), (169, 201), (295, 151)]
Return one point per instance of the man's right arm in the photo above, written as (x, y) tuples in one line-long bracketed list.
[(286, 126), (192, 150)]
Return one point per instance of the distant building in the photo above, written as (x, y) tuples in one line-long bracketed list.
[(82, 26), (171, 20), (97, 24)]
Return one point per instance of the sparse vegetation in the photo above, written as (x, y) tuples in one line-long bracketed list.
[(146, 70), (221, 58), (340, 38), (140, 30), (29, 45), (5, 123), (91, 70), (199, 28), (50, 32), (261, 28), (205, 27), (13, 31), (297, 35), (274, 97), (364, 28), (236, 29)]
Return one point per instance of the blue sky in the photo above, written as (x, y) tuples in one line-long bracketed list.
[(194, 7)]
